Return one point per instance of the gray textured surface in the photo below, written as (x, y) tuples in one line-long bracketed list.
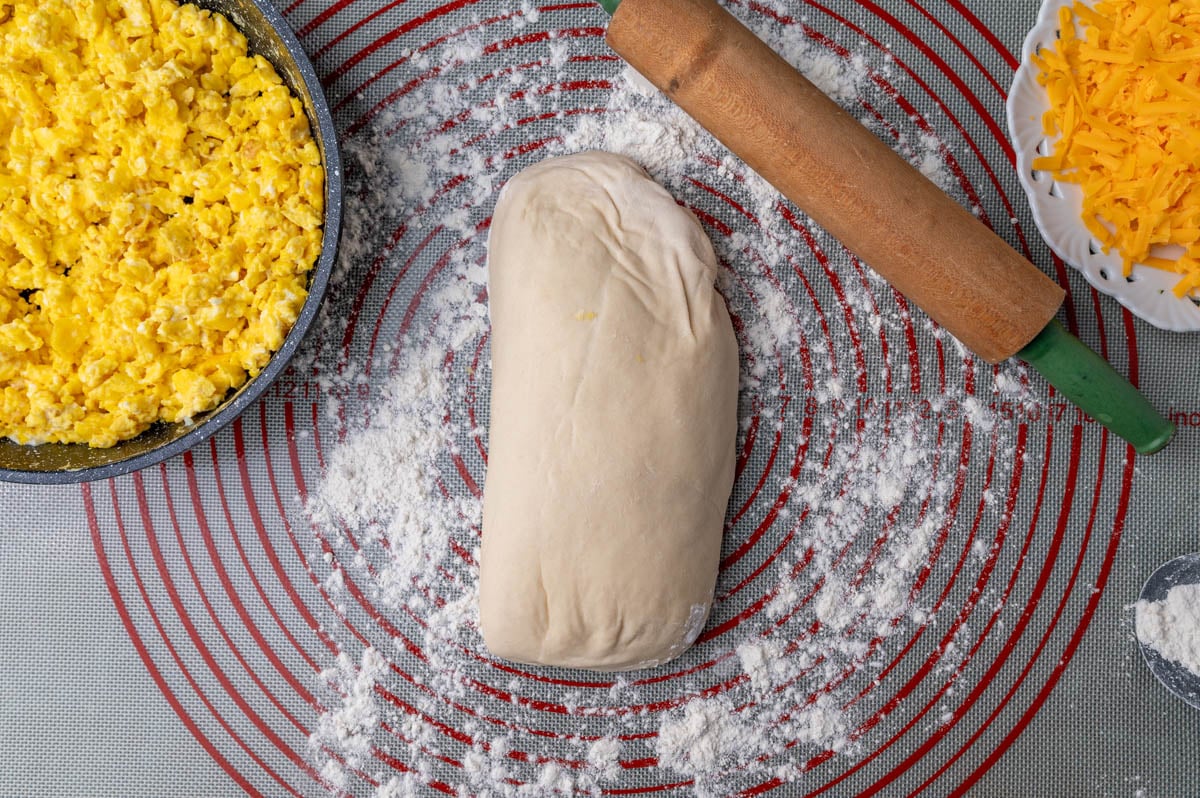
[(80, 715)]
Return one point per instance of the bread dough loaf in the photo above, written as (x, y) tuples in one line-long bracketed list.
[(613, 419)]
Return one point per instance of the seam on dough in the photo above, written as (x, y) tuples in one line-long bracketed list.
[(626, 262), (640, 288), (541, 584), (687, 300), (619, 641)]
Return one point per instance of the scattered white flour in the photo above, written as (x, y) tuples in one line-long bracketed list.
[(379, 475), (708, 737), (765, 662), (350, 727), (1172, 626), (395, 518), (604, 758)]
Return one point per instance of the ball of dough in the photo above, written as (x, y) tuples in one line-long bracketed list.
[(613, 419)]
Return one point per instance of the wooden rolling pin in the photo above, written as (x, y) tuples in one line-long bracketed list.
[(845, 178), (880, 207)]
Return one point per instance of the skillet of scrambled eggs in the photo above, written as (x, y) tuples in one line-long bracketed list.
[(161, 201)]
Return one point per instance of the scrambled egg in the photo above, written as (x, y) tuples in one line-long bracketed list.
[(161, 200)]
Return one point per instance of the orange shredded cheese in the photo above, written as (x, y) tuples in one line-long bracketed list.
[(1125, 107)]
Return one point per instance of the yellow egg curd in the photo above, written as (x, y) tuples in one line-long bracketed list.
[(161, 200)]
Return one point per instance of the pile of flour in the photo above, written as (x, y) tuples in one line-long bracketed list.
[(1172, 626)]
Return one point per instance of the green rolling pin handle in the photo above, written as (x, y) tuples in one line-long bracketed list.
[(1096, 388), (610, 5)]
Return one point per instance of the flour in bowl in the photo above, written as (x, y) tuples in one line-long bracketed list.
[(1172, 626)]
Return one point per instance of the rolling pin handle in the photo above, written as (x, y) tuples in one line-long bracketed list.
[(610, 6), (1096, 388)]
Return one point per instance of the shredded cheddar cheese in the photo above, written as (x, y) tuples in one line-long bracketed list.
[(1125, 107)]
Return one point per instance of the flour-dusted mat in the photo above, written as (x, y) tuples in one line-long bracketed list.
[(926, 558)]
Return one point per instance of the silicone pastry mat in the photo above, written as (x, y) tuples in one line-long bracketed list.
[(927, 562)]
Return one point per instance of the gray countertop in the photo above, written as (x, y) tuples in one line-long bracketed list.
[(176, 632)]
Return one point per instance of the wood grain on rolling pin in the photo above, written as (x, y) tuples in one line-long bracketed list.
[(821, 158)]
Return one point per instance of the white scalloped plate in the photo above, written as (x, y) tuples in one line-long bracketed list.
[(1057, 207)]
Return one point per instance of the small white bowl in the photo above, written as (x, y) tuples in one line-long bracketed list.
[(1057, 207)]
